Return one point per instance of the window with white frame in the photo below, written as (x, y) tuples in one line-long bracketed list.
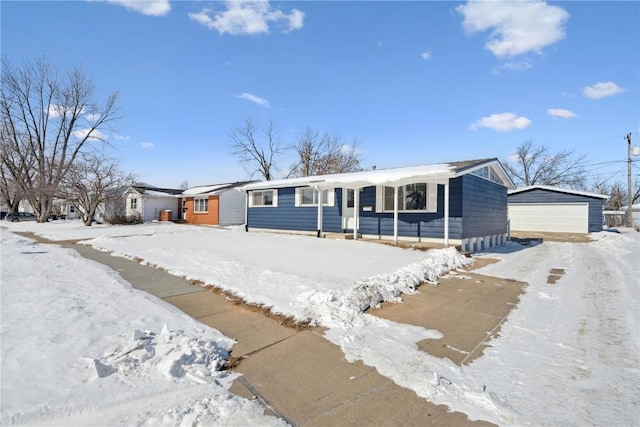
[(133, 203), (201, 204), (263, 198), (415, 197), (306, 196)]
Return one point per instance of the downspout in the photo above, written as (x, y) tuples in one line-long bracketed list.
[(319, 226), (246, 211), (446, 214), (395, 214), (356, 208)]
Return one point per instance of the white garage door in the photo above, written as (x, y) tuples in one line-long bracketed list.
[(553, 217)]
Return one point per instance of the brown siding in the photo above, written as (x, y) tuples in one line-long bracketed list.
[(209, 218)]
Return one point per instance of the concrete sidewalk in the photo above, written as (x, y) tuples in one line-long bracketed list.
[(296, 374)]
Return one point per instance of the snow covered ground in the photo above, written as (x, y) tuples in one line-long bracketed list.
[(567, 355)]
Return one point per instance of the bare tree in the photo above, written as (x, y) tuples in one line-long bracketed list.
[(321, 154), (91, 181), (256, 157), (616, 192), (536, 165), (47, 121)]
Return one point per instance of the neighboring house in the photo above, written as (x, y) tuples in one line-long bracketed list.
[(459, 203), (541, 208), (147, 201), (220, 204), (613, 218), (635, 212)]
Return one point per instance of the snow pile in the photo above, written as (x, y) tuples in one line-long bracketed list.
[(174, 354), (81, 347), (324, 307)]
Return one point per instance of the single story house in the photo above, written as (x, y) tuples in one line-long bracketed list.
[(148, 202), (219, 204), (541, 208), (459, 203)]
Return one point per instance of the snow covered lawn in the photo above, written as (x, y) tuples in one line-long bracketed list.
[(576, 341)]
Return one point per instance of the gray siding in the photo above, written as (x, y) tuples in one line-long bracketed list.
[(484, 206), (231, 207), (540, 195)]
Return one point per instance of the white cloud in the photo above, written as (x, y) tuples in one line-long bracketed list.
[(562, 113), (96, 135), (146, 145), (146, 7), (522, 65), (254, 99), (425, 55), (121, 137), (244, 17), (602, 90), (503, 122), (517, 27)]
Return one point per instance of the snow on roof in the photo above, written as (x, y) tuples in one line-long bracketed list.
[(204, 189), (213, 188), (557, 190), (399, 176)]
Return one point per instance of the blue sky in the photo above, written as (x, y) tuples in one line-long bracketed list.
[(410, 82)]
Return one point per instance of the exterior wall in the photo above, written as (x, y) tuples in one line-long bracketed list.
[(203, 218), (539, 195), (231, 208), (152, 205), (133, 212), (478, 216), (484, 206), (415, 225), (286, 216)]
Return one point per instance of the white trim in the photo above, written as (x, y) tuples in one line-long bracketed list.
[(557, 190), (298, 197), (206, 199), (274, 196), (431, 203)]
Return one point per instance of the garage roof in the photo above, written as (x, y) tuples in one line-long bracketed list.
[(557, 190)]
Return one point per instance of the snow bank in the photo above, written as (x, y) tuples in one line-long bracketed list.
[(81, 347)]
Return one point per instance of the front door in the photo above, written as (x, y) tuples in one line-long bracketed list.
[(184, 209), (347, 208)]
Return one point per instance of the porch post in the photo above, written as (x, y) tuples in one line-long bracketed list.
[(319, 212), (446, 214), (395, 214), (356, 208)]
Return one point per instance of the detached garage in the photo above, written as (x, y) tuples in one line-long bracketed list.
[(541, 208)]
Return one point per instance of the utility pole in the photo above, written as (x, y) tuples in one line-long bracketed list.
[(629, 187)]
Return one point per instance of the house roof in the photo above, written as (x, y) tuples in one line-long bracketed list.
[(439, 173), (213, 188), (557, 190), (153, 191)]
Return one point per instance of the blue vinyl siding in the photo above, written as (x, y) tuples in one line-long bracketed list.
[(423, 225), (540, 195), (477, 207), (484, 207), (286, 216)]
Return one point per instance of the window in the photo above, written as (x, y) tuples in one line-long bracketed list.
[(306, 196), (417, 197), (487, 172), (133, 203), (264, 198), (201, 205)]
